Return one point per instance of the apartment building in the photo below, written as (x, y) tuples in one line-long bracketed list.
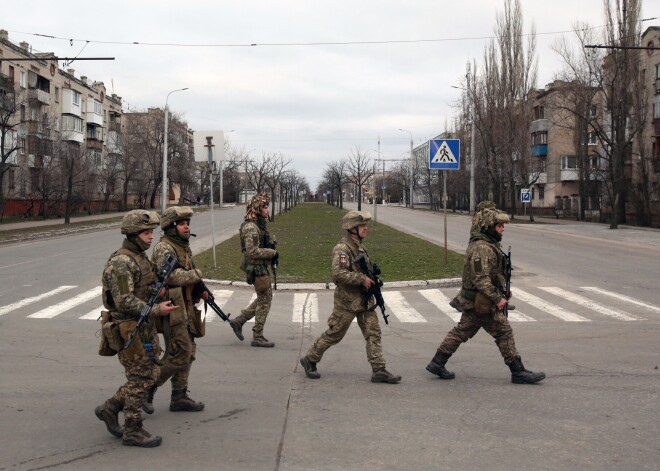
[(49, 111)]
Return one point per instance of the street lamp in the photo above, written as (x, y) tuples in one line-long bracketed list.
[(221, 172), (411, 167), (165, 188), (473, 137)]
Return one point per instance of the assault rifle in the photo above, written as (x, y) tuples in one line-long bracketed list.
[(275, 261), (209, 301), (375, 287), (508, 268), (169, 265)]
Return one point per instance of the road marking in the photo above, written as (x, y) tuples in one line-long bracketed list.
[(548, 307), (34, 299), (254, 296), (401, 308), (585, 302), (439, 300), (305, 308), (94, 314), (622, 297), (221, 297), (59, 308)]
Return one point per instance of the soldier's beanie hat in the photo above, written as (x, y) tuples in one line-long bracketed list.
[(490, 217), (257, 203), (355, 218), (139, 220), (174, 214), (486, 204)]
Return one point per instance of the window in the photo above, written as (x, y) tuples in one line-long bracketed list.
[(592, 139), (98, 109), (71, 123), (75, 97), (539, 112), (656, 107), (11, 177), (541, 192), (593, 111), (539, 138), (22, 112), (22, 79), (568, 162), (57, 94), (657, 71)]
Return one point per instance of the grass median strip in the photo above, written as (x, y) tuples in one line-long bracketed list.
[(306, 236)]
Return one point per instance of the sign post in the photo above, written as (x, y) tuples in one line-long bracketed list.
[(445, 154)]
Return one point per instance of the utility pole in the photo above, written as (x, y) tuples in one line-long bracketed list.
[(473, 141)]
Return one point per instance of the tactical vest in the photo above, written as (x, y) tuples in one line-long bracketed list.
[(146, 280), (259, 266)]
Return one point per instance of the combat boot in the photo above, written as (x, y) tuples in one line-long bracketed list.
[(109, 413), (237, 326), (437, 366), (182, 403), (135, 435), (148, 402), (519, 375), (261, 341), (310, 368), (381, 375)]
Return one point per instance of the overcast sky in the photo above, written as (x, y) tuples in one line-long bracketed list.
[(311, 102)]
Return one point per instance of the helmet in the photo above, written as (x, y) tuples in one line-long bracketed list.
[(257, 203), (174, 214), (486, 204), (139, 220), (490, 217), (355, 218)]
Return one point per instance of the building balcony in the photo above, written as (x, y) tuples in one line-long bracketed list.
[(94, 133), (539, 125), (540, 150), (38, 128), (36, 95), (114, 126), (75, 136), (540, 177), (569, 175), (656, 126), (656, 165), (93, 144)]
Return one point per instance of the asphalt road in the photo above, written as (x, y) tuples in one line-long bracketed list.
[(597, 409)]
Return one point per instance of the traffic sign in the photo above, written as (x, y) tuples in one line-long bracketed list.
[(444, 154), (525, 195)]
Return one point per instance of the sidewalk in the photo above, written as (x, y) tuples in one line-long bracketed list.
[(55, 222)]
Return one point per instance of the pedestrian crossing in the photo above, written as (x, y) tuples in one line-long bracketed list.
[(413, 306)]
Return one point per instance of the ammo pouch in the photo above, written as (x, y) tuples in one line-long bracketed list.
[(249, 271), (111, 341), (482, 304), (136, 349), (178, 316)]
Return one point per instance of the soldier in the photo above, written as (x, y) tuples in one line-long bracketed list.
[(351, 284), (482, 300), (255, 242), (186, 324), (127, 279)]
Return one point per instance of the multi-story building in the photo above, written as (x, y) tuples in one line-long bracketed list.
[(48, 111)]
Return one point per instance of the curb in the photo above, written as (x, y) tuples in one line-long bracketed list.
[(441, 282)]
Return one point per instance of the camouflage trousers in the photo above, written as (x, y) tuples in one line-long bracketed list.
[(141, 374), (338, 324), (260, 307), (179, 361), (470, 324)]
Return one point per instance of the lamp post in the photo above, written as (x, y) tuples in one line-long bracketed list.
[(222, 163), (165, 188), (411, 167), (473, 137)]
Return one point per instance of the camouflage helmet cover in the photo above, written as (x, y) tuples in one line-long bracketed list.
[(355, 218), (257, 203), (139, 220), (490, 217), (486, 204), (174, 214)]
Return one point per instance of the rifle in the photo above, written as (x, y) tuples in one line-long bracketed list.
[(508, 268), (275, 261), (169, 265), (209, 301), (375, 287)]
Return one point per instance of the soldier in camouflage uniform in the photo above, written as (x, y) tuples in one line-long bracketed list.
[(127, 279), (256, 258), (351, 284), (482, 300), (186, 323)]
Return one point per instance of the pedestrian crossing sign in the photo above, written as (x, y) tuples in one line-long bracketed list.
[(444, 154)]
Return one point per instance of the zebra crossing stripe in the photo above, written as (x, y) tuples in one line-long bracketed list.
[(401, 308), (252, 298), (34, 299), (550, 308), (622, 297), (221, 297), (439, 300), (582, 301), (59, 308), (305, 308), (93, 314)]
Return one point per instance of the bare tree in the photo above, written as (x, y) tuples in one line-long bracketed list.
[(9, 121), (335, 175), (360, 169)]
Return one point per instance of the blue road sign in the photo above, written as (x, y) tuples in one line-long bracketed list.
[(525, 195), (444, 154)]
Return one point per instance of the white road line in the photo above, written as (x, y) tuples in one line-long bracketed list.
[(397, 305), (93, 314), (548, 307), (305, 308), (622, 297), (439, 300), (221, 297), (26, 301), (254, 296), (585, 302), (59, 308)]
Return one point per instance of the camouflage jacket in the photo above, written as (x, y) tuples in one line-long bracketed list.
[(126, 280), (483, 270), (348, 276), (252, 244)]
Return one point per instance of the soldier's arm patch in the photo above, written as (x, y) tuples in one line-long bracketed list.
[(122, 284), (477, 265), (343, 260)]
